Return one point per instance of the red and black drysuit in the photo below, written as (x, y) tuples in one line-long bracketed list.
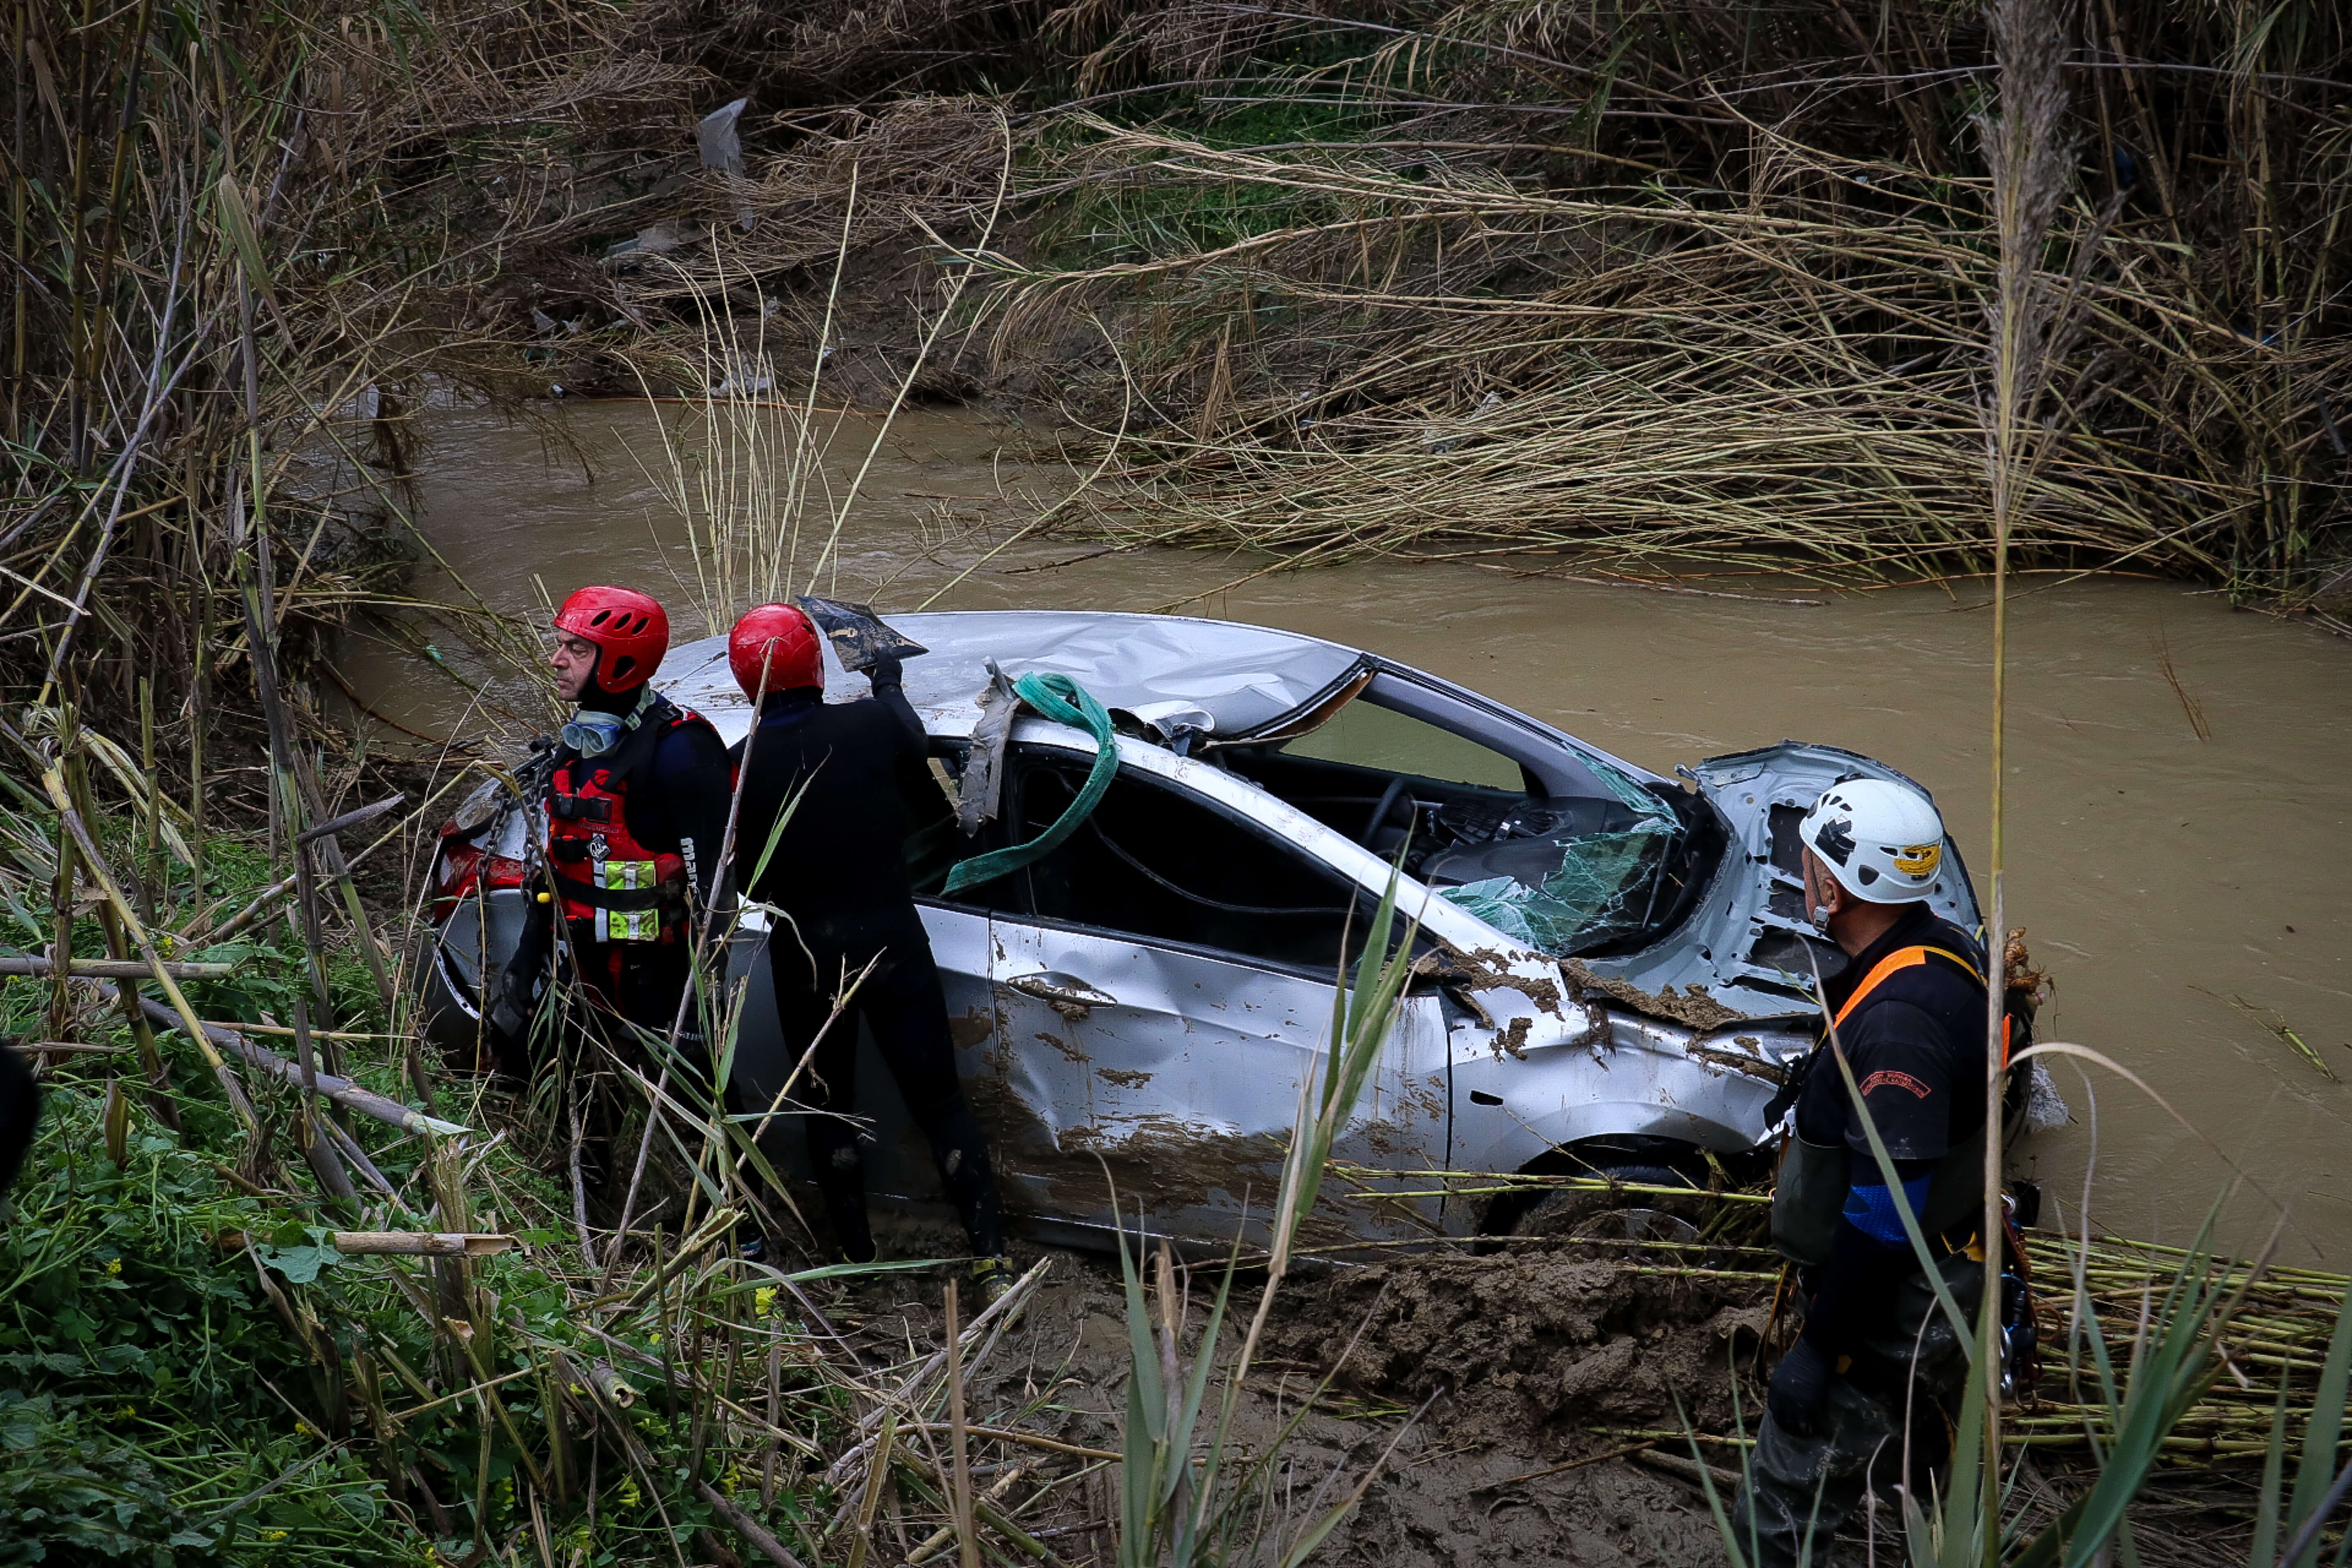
[(1910, 1016), (633, 845), (838, 871)]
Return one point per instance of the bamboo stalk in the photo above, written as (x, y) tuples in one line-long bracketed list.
[(185, 1014), (959, 1442), (343, 1092), (115, 968)]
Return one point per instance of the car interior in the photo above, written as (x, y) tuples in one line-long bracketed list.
[(1538, 843), (1158, 863)]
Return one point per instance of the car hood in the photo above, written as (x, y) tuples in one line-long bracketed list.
[(1746, 945)]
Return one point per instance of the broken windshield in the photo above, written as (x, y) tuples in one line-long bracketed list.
[(1552, 846), (1569, 877)]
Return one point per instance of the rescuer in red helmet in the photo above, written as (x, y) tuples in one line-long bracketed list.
[(637, 800), (838, 870)]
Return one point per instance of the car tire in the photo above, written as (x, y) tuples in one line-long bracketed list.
[(1585, 1213)]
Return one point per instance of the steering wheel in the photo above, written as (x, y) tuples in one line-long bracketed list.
[(1382, 812)]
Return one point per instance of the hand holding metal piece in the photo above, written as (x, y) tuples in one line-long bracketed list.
[(860, 638)]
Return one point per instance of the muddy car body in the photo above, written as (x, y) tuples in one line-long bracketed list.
[(1610, 966)]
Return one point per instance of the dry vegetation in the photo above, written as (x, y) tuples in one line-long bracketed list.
[(1655, 285), (1658, 286)]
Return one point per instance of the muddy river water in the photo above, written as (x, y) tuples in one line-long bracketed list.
[(2179, 788)]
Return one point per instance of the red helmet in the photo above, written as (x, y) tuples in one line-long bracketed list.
[(798, 653), (629, 629)]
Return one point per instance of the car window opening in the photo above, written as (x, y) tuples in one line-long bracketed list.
[(1154, 863), (1603, 865)]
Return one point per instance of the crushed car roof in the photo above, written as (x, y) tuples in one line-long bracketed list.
[(1226, 679)]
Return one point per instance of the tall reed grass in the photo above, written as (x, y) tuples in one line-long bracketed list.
[(1667, 292)]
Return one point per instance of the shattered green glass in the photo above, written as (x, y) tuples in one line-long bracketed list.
[(1586, 903)]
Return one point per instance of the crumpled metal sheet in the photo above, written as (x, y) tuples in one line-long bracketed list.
[(1242, 679)]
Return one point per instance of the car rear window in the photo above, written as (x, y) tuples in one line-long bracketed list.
[(1365, 736)]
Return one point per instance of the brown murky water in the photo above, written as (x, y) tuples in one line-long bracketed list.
[(2188, 893)]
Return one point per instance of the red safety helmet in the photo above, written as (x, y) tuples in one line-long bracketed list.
[(629, 629), (798, 653)]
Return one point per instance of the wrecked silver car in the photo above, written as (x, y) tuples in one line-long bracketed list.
[(1611, 967)]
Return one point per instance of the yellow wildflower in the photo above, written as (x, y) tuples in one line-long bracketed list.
[(114, 1265)]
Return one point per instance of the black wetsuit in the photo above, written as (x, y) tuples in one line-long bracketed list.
[(1872, 1331), (838, 871), (20, 1113), (1916, 1046)]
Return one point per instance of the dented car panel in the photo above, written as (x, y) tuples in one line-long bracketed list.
[(1637, 1079), (1174, 1075), (1747, 945)]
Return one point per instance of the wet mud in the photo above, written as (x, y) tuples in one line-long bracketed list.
[(1511, 1388), (1511, 1336), (1533, 1342), (1694, 1007)]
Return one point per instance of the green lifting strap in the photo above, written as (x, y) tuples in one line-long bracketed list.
[(1065, 701)]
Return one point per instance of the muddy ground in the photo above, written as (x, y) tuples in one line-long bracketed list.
[(1517, 1364), (1524, 1362)]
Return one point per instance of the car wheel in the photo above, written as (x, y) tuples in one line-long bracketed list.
[(447, 1002), (1584, 1213)]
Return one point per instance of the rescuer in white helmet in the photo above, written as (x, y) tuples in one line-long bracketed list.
[(1909, 1011)]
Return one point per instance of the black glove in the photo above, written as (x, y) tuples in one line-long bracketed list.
[(884, 671), (1786, 1095), (1800, 1386)]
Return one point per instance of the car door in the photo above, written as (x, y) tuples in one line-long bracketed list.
[(1163, 983), (898, 1159)]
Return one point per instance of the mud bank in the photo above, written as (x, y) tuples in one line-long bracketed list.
[(1529, 1352), (1533, 1369), (1546, 1342)]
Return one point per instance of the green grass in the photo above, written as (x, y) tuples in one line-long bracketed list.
[(161, 1405)]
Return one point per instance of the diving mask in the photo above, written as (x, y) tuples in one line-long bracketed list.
[(593, 734)]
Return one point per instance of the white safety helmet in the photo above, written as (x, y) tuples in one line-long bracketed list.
[(1883, 842)]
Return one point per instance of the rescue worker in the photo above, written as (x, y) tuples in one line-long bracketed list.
[(1909, 1014), (834, 773), (636, 795)]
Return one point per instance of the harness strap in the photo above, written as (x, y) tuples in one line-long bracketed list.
[(1900, 959), (595, 897)]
